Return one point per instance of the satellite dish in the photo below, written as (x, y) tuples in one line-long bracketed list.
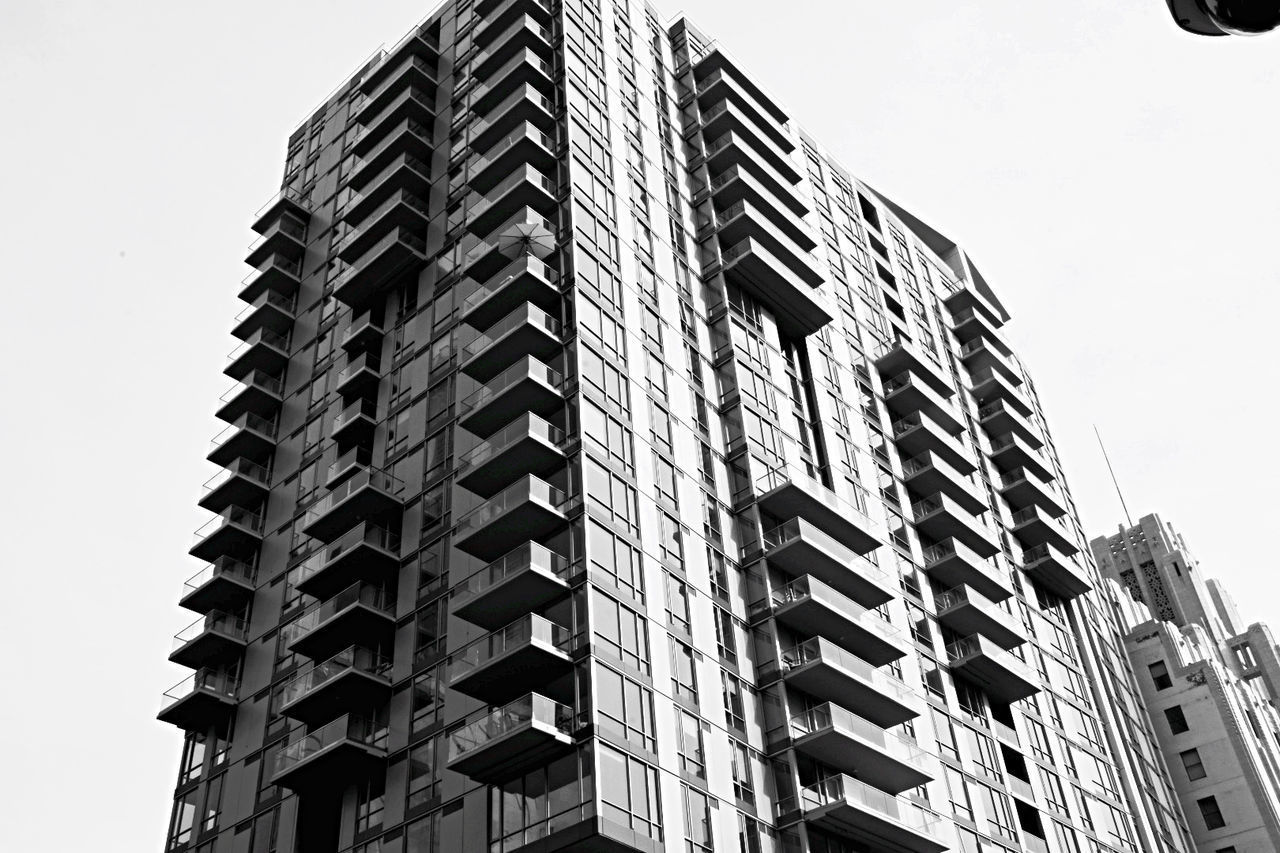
[(527, 238)]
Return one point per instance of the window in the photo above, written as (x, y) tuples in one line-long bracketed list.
[(1176, 719), (212, 804), (1160, 675), (184, 815), (369, 802), (1211, 813), (424, 778), (629, 792), (697, 807), (693, 760), (614, 556), (734, 704), (677, 603), (620, 632), (625, 708), (684, 682), (1192, 764), (743, 779)]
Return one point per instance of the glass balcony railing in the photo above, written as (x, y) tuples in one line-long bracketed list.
[(514, 432), (399, 197), (366, 477), (235, 515), (976, 644), (241, 467), (402, 162), (383, 538), (364, 407), (527, 489), (288, 194), (502, 146), (525, 92), (801, 589), (269, 297), (289, 266), (349, 727), (829, 715), (410, 125), (226, 567), (359, 593), (398, 235), (523, 631), (847, 498), (816, 649), (288, 225), (843, 788), (352, 657), (248, 420), (959, 595), (520, 266), (513, 375), (257, 379), (363, 362), (527, 174), (510, 717), (216, 621), (512, 563), (525, 315), (261, 336), (216, 682)]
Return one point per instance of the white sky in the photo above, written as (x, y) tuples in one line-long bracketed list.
[(1114, 180)]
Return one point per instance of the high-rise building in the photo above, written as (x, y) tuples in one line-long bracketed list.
[(609, 470), (1207, 681)]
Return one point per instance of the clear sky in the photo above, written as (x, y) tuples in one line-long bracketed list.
[(1114, 180)]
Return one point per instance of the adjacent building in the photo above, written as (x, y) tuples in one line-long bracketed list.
[(1207, 684), (607, 469)]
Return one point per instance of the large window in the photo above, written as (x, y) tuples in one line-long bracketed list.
[(629, 792), (552, 796), (625, 709), (619, 632)]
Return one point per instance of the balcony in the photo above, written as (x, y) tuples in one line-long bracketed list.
[(966, 299), (849, 808), (989, 386), (1022, 489), (377, 151), (402, 209), (917, 433), (800, 548), (785, 235), (903, 356), (265, 351), (906, 394), (287, 201), (791, 493), (939, 517), (409, 91), (286, 236), (356, 423), (363, 334), (967, 611), (367, 552), (235, 531), (524, 280), (505, 742), (406, 172), (731, 157), (529, 509), (715, 65), (249, 435), (525, 144), (270, 310), (494, 83), (255, 393), (354, 679), (242, 483), (970, 324), (1000, 673), (527, 445), (224, 584), (809, 606), (526, 331), (370, 493), (362, 373), (525, 104), (851, 744), (1011, 452), (525, 34), (500, 17), (768, 192), (202, 701), (1055, 571), (396, 253), (523, 580), (419, 42), (793, 297), (278, 274), (718, 87), (529, 654), (824, 670), (954, 563), (526, 386), (929, 473), (363, 614), (525, 187), (997, 419), (215, 639), (769, 143), (333, 756), (979, 354), (1033, 526)]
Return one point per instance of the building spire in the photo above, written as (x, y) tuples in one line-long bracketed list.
[(1119, 494)]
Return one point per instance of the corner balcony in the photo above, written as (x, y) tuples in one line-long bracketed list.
[(215, 639), (255, 393), (529, 654), (822, 669), (265, 351), (954, 563), (731, 157), (939, 517), (527, 445), (286, 236), (791, 294), (918, 433), (366, 552), (498, 117), (369, 493), (242, 483), (377, 151), (715, 65), (1033, 526), (989, 386), (402, 209), (1055, 571), (903, 356), (1011, 452), (525, 33), (356, 423), (529, 509), (354, 679), (767, 142), (361, 615), (409, 92), (1023, 489), (791, 493), (767, 191), (269, 310), (361, 373), (843, 740), (967, 611), (929, 473), (523, 580), (340, 753), (526, 331), (907, 394), (799, 548), (202, 701), (224, 584), (809, 606), (288, 201), (505, 742), (419, 42), (526, 386), (406, 172), (719, 86), (396, 253), (979, 355), (784, 234), (497, 18), (235, 531), (849, 808), (495, 82), (525, 187), (966, 298), (525, 144), (249, 435), (1000, 673), (278, 274), (997, 418), (363, 333), (970, 324), (525, 280)]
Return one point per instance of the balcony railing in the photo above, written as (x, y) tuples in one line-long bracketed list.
[(350, 658), (828, 715), (241, 467), (801, 589), (374, 597), (526, 489), (527, 629), (842, 788), (349, 727), (816, 650), (236, 627), (501, 722), (225, 567), (232, 517), (520, 317), (513, 433), (513, 375), (218, 683), (367, 477)]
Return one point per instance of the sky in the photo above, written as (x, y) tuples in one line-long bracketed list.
[(1113, 179)]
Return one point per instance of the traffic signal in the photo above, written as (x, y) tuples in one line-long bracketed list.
[(1226, 17)]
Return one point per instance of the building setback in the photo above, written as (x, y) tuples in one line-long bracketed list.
[(608, 470), (1207, 683)]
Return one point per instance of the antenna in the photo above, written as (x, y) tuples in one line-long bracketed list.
[(1119, 494)]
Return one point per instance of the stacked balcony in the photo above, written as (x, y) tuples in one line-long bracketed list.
[(954, 563), (269, 310), (501, 744), (396, 253), (737, 172), (264, 351), (919, 433), (527, 578), (839, 738), (981, 355), (1055, 571), (235, 532), (1021, 488), (524, 187), (822, 669), (216, 639), (808, 605), (257, 393), (788, 492), (400, 210), (1011, 452), (287, 202), (363, 614), (903, 356), (939, 517), (361, 374), (224, 584), (368, 493), (527, 445), (355, 679), (989, 385), (501, 44), (530, 508), (350, 748), (998, 418), (279, 274), (967, 611), (799, 547), (529, 385), (523, 280), (526, 143), (526, 331), (285, 237), (501, 111), (850, 808), (782, 278), (363, 333), (204, 700), (356, 423), (1033, 526), (241, 483), (367, 552), (928, 473), (1002, 675), (496, 81), (531, 654)]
